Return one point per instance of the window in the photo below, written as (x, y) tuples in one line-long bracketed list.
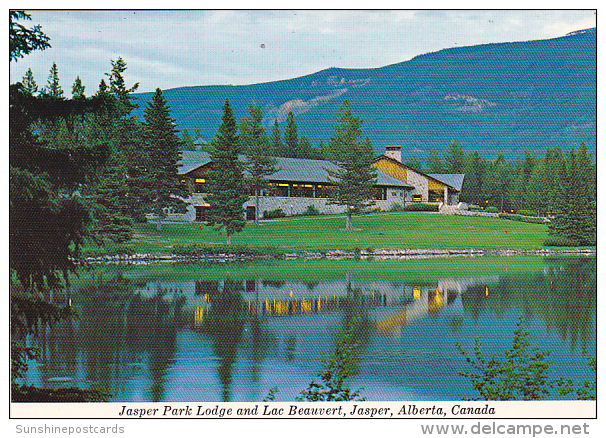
[(380, 193), (200, 184)]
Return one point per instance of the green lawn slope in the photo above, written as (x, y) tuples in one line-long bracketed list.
[(409, 230)]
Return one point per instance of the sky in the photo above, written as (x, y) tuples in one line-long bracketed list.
[(170, 49)]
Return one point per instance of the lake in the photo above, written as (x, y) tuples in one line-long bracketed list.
[(181, 333)]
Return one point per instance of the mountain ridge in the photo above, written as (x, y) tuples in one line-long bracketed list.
[(497, 97)]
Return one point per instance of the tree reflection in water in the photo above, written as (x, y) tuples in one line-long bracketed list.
[(563, 297), (224, 325)]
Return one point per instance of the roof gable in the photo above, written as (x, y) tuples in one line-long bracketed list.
[(452, 180)]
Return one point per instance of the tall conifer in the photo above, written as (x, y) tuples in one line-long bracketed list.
[(165, 191), (355, 177), (225, 187)]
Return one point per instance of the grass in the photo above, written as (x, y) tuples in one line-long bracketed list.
[(388, 230)]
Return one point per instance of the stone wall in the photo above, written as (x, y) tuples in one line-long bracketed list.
[(293, 206)]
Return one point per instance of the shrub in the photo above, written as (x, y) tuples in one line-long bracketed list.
[(311, 210), (523, 373), (273, 214), (520, 218), (421, 207), (491, 210), (473, 207), (527, 212), (396, 207)]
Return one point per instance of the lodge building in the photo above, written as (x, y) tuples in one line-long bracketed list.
[(300, 183)]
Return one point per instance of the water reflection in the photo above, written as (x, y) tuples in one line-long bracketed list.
[(140, 342)]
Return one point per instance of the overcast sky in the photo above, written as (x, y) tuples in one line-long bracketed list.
[(170, 49)]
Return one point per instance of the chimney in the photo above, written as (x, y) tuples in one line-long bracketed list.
[(394, 152)]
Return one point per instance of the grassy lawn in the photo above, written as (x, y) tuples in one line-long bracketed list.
[(389, 230)]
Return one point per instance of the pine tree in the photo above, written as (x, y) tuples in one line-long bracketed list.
[(414, 163), (434, 162), (127, 139), (575, 200), (454, 158), (291, 137), (306, 149), (276, 140), (165, 191), (48, 221), (499, 182), (226, 191), (78, 89), (473, 189), (109, 191), (53, 89), (187, 141), (29, 84), (355, 178), (259, 162)]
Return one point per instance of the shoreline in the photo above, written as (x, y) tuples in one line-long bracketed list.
[(336, 255)]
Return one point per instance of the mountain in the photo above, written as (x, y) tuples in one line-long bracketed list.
[(505, 97)]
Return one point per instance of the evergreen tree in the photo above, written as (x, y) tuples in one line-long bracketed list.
[(434, 162), (323, 150), (78, 89), (48, 221), (307, 150), (291, 138), (544, 181), (355, 178), (127, 139), (187, 141), (414, 163), (454, 158), (29, 84), (53, 89), (575, 200), (276, 140), (499, 182), (109, 191), (259, 162), (473, 190), (197, 133), (22, 40), (521, 179), (165, 191), (226, 190)]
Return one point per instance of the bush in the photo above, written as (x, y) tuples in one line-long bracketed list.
[(520, 218), (491, 210), (396, 207), (273, 214), (310, 211), (473, 207), (420, 207), (527, 213)]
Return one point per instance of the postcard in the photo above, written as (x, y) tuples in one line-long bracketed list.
[(387, 215)]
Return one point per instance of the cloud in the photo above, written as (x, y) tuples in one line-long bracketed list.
[(169, 49)]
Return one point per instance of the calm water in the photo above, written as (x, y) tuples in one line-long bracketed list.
[(211, 336)]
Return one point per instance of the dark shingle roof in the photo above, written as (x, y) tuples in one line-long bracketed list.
[(291, 169), (455, 180)]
